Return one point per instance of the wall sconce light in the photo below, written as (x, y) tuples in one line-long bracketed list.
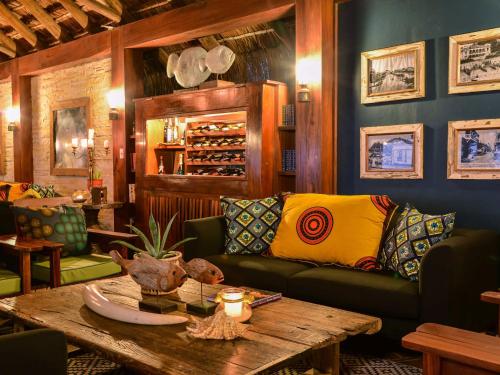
[(13, 116), (308, 72), (116, 100)]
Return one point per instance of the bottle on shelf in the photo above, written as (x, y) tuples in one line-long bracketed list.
[(168, 131), (181, 164), (161, 167), (175, 130)]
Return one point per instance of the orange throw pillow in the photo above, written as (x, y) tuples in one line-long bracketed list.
[(340, 229)]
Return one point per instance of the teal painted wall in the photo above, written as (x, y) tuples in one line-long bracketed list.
[(372, 24)]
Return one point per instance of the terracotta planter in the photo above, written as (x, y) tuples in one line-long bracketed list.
[(95, 183), (154, 292)]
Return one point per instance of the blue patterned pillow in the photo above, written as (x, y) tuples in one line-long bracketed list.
[(414, 234), (251, 224)]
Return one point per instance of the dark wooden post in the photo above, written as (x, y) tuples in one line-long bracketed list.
[(126, 75), (23, 139), (316, 120)]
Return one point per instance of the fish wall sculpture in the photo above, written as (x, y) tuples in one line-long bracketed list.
[(203, 271), (195, 64)]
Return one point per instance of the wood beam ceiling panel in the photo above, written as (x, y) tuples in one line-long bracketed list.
[(43, 17), (186, 23), (103, 10), (75, 11), (12, 20), (7, 42)]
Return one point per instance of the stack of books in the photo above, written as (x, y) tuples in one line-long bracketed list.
[(288, 161), (288, 118)]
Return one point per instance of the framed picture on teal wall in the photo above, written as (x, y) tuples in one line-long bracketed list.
[(393, 73), (474, 150), (474, 63), (392, 152)]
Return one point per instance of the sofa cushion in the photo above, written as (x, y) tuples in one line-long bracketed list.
[(340, 229), (379, 294), (10, 282), (251, 224), (414, 234), (77, 269), (256, 271)]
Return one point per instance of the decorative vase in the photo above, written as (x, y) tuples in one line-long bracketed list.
[(80, 196), (95, 183), (154, 292)]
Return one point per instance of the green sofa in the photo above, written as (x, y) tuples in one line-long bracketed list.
[(453, 274)]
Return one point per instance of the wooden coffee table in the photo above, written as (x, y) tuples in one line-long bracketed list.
[(280, 332)]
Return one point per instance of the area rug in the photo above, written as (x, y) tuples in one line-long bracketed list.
[(91, 364)]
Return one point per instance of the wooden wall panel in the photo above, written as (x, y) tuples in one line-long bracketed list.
[(165, 206)]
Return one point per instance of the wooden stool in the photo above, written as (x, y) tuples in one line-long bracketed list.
[(452, 351)]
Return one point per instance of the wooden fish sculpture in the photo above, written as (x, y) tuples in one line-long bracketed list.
[(151, 273), (202, 271)]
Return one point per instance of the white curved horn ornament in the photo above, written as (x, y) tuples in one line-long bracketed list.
[(95, 301)]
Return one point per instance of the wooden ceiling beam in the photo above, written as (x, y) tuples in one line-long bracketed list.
[(185, 23), (7, 51), (75, 11), (8, 42), (44, 18), (12, 20), (116, 5), (102, 9)]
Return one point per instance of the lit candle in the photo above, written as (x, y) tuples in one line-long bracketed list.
[(106, 143), (74, 142), (233, 301), (91, 134), (90, 143)]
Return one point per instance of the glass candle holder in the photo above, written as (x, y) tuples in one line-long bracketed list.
[(233, 299)]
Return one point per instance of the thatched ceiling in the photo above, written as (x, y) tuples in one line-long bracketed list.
[(30, 25)]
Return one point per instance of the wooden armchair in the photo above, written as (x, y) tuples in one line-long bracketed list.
[(91, 266), (452, 351)]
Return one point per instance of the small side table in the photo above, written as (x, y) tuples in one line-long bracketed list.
[(23, 249), (92, 212)]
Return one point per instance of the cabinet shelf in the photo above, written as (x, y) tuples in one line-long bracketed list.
[(215, 162), (215, 148), (170, 147), (286, 128), (228, 133)]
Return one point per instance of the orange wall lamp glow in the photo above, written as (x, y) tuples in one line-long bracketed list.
[(116, 100), (13, 116), (308, 73)]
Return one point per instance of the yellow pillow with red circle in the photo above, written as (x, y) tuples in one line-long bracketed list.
[(340, 229)]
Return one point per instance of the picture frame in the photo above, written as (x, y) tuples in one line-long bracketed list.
[(392, 152), (393, 73), (474, 150), (69, 119), (474, 62)]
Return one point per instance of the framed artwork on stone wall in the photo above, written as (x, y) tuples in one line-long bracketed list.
[(394, 73), (69, 119), (474, 150), (392, 152), (474, 62)]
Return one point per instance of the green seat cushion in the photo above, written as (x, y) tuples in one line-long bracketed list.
[(256, 271), (379, 294), (10, 282), (77, 269)]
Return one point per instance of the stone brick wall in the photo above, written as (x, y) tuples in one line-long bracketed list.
[(6, 137), (91, 80)]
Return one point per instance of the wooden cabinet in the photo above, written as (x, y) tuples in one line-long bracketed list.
[(239, 140)]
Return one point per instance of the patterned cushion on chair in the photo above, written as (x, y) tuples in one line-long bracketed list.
[(414, 234), (44, 191), (251, 224), (65, 224), (4, 192)]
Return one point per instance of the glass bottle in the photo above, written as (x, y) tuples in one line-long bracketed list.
[(175, 134), (169, 134), (181, 164), (161, 167)]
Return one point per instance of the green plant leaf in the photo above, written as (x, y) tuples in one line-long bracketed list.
[(167, 232), (149, 248), (128, 246), (176, 245), (153, 229)]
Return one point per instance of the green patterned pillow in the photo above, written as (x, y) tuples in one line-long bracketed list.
[(251, 224), (411, 238), (63, 224), (44, 191)]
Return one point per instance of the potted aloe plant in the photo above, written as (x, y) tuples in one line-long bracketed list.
[(156, 247)]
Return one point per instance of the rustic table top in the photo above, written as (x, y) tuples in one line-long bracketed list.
[(12, 242), (279, 332), (101, 206)]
